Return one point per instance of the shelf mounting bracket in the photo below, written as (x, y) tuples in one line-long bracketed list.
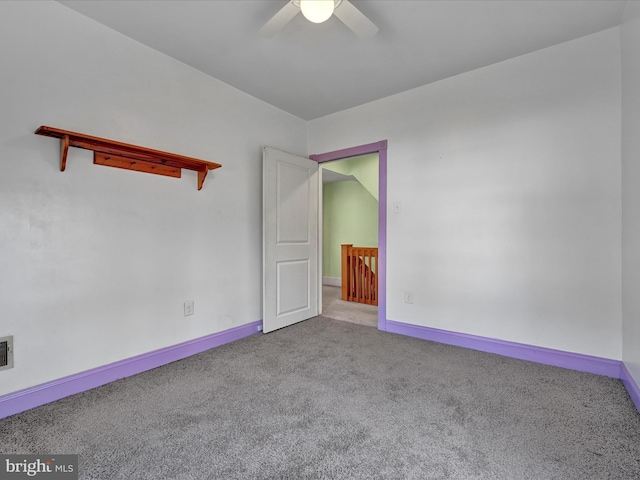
[(64, 149)]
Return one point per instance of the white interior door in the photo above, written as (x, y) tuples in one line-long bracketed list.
[(290, 239)]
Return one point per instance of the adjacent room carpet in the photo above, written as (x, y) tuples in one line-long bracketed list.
[(334, 307), (331, 399)]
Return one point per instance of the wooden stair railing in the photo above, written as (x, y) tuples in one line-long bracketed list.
[(359, 274)]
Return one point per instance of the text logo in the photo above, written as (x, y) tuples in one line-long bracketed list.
[(45, 467)]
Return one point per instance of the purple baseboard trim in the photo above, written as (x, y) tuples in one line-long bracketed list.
[(26, 399), (548, 356), (631, 385)]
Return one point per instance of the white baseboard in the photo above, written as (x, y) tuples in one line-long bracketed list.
[(332, 281)]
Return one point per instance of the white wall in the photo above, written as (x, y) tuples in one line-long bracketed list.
[(509, 178), (630, 46), (96, 262)]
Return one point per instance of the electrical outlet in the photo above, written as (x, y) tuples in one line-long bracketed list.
[(259, 328), (408, 296), (188, 308), (6, 352)]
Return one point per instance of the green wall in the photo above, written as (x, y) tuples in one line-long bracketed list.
[(350, 215)]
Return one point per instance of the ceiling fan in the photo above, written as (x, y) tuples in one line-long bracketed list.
[(318, 11)]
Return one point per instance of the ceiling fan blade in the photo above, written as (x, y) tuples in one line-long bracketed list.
[(355, 20), (279, 20)]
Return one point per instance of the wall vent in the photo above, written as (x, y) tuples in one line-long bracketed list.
[(6, 352)]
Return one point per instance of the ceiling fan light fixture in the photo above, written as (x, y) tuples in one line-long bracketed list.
[(317, 11)]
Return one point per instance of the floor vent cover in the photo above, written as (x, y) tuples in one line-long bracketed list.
[(6, 352)]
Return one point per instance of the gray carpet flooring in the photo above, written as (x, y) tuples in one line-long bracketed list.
[(331, 399)]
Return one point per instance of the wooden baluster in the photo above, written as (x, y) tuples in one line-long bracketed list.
[(362, 273), (360, 270), (352, 290), (356, 280), (365, 277), (375, 279), (345, 271), (354, 275), (356, 272), (370, 278)]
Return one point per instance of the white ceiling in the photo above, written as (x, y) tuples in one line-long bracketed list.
[(313, 70)]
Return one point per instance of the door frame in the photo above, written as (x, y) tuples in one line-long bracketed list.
[(381, 149)]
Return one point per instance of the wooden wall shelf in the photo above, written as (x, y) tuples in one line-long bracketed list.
[(131, 157)]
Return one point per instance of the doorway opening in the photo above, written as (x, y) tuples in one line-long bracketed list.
[(350, 239), (378, 149)]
